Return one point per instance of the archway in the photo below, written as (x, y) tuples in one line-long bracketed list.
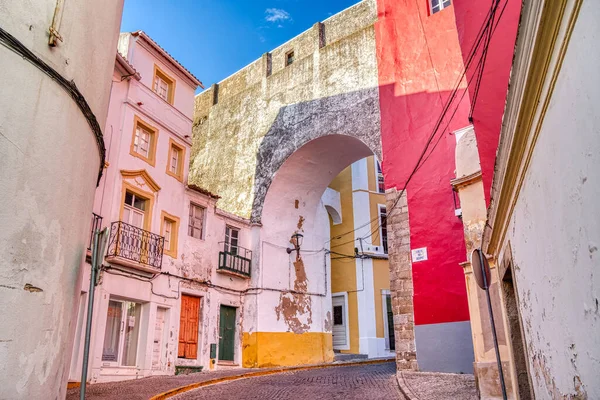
[(290, 316)]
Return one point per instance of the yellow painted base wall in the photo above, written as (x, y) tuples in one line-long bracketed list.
[(272, 349)]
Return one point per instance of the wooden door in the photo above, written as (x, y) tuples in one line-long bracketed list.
[(226, 333), (188, 327), (157, 347)]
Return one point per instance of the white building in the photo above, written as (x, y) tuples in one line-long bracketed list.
[(51, 153)]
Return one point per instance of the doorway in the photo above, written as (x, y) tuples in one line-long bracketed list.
[(158, 345), (340, 328), (388, 321), (189, 319), (226, 333), (121, 333), (515, 335)]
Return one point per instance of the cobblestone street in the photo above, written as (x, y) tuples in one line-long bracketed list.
[(359, 382)]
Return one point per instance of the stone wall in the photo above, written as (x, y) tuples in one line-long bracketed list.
[(247, 125), (401, 285)]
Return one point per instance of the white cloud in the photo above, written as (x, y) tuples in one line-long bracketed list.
[(277, 15)]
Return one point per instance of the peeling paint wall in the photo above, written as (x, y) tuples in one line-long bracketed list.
[(554, 231), (49, 162)]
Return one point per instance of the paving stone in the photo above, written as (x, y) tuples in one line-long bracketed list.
[(373, 382)]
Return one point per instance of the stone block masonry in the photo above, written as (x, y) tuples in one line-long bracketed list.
[(401, 286)]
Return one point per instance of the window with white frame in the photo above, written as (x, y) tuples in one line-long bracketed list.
[(196, 221), (141, 144), (439, 5), (380, 183), (123, 321), (383, 228), (175, 155), (167, 230), (134, 209), (232, 236), (161, 87)]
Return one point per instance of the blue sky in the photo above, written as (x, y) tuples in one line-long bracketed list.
[(215, 38)]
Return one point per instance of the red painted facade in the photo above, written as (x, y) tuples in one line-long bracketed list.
[(419, 63), (489, 104)]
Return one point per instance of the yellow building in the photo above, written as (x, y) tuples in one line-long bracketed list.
[(360, 283)]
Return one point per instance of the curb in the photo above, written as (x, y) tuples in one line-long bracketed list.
[(404, 388), (210, 382)]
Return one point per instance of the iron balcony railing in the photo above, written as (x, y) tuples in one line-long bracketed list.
[(135, 244), (235, 259), (96, 226)]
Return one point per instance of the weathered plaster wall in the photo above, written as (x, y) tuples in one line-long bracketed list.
[(554, 231), (49, 163), (267, 111)]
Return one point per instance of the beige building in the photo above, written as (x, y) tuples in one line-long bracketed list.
[(541, 229), (56, 59)]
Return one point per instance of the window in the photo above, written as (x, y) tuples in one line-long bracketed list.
[(231, 239), (196, 221), (134, 210), (439, 5), (121, 333), (169, 230), (143, 143), (380, 183), (383, 228), (176, 160), (163, 85), (338, 318), (289, 58)]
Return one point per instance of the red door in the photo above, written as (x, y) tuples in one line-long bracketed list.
[(188, 327)]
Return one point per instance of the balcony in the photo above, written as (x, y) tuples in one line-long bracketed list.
[(134, 247), (235, 260)]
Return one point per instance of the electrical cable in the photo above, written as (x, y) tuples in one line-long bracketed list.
[(13, 44), (487, 23), (482, 32)]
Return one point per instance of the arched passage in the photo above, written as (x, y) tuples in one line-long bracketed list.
[(294, 310)]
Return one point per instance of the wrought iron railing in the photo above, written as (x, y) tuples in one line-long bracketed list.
[(135, 244), (96, 226), (235, 259)]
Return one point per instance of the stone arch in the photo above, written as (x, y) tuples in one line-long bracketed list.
[(354, 114)]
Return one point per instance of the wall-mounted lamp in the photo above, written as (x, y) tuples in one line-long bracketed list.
[(296, 241)]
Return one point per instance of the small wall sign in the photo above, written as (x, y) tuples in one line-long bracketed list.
[(419, 254)]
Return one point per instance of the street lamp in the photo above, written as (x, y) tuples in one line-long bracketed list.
[(296, 241)]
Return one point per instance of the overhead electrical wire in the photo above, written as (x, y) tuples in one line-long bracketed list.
[(487, 26)]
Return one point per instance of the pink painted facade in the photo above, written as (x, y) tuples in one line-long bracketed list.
[(155, 263)]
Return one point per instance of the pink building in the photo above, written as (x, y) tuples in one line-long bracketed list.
[(160, 290)]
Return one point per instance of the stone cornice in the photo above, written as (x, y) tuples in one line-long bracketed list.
[(467, 180)]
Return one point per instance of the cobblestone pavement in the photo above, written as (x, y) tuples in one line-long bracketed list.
[(372, 382), (438, 386), (143, 389)]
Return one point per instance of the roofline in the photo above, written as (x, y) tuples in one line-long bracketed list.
[(169, 57), (131, 71)]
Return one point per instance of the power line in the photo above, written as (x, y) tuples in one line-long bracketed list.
[(488, 22)]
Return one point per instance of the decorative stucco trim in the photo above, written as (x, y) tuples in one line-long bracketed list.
[(538, 62), (144, 175)]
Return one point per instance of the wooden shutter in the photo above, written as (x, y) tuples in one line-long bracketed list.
[(188, 327)]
